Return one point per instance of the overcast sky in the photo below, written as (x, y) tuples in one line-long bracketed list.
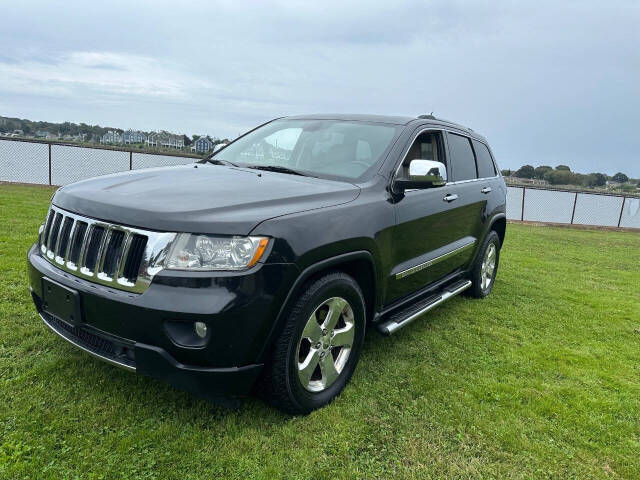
[(546, 83)]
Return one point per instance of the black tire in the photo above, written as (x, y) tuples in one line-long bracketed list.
[(281, 385), (477, 289)]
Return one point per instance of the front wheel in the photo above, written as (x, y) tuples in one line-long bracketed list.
[(485, 269), (318, 350)]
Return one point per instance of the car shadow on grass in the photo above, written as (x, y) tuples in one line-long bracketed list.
[(144, 397)]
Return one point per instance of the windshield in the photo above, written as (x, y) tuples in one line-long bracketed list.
[(321, 148)]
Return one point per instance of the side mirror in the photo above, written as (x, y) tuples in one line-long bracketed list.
[(423, 174)]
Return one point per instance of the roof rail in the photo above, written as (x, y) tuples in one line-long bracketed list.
[(432, 117)]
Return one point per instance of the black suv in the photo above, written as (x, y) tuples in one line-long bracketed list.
[(262, 266)]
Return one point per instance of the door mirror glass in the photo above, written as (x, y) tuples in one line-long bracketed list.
[(423, 174)]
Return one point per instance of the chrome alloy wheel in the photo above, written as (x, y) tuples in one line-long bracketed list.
[(325, 345), (488, 266)]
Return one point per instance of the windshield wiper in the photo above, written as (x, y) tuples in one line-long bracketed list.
[(217, 161), (279, 169)]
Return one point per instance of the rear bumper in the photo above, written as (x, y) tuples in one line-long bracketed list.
[(130, 331)]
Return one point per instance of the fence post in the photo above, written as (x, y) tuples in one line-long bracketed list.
[(573, 214), (49, 164), (624, 199), (522, 212), (130, 160)]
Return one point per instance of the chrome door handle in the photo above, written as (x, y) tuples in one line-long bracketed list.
[(450, 198), (486, 190)]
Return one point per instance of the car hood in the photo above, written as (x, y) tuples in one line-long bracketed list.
[(200, 198)]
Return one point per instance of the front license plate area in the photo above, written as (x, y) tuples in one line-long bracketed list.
[(61, 302)]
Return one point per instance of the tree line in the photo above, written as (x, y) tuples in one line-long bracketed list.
[(30, 127), (93, 132), (562, 175)]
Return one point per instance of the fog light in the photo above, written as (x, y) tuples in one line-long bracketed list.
[(201, 329)]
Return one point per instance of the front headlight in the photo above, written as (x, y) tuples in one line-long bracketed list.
[(206, 252)]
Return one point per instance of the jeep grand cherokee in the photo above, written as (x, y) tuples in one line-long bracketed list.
[(262, 266)]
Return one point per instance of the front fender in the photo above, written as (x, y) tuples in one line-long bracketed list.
[(296, 289)]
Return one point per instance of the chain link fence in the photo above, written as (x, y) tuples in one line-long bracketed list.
[(535, 204), (24, 162), (30, 161)]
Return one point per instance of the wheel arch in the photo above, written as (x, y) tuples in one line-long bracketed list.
[(359, 264), (499, 224)]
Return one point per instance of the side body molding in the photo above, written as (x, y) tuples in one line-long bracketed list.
[(432, 258)]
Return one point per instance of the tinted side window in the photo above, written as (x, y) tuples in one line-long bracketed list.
[(486, 168), (463, 164), (427, 146)]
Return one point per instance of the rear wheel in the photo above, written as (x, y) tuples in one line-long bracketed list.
[(485, 269), (318, 350)]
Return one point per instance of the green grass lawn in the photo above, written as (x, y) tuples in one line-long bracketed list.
[(540, 380)]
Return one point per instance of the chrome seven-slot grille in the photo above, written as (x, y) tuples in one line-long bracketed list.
[(100, 252)]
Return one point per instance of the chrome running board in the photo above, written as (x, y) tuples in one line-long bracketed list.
[(407, 315)]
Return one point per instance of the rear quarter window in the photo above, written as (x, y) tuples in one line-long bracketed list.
[(486, 168)]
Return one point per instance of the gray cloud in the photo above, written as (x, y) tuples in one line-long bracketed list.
[(546, 83)]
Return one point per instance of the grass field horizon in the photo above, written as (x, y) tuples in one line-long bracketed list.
[(540, 380)]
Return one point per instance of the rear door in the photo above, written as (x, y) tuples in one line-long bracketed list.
[(490, 184), (465, 193)]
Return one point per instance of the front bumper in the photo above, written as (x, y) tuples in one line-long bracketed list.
[(131, 330)]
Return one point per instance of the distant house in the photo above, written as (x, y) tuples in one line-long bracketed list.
[(526, 181), (202, 145), (18, 132), (165, 140), (52, 136), (133, 136), (111, 137), (41, 134)]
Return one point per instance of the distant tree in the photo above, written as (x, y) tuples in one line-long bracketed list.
[(195, 137), (563, 167), (540, 171), (620, 178), (526, 171), (558, 177), (506, 173), (577, 178), (595, 180), (65, 128)]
